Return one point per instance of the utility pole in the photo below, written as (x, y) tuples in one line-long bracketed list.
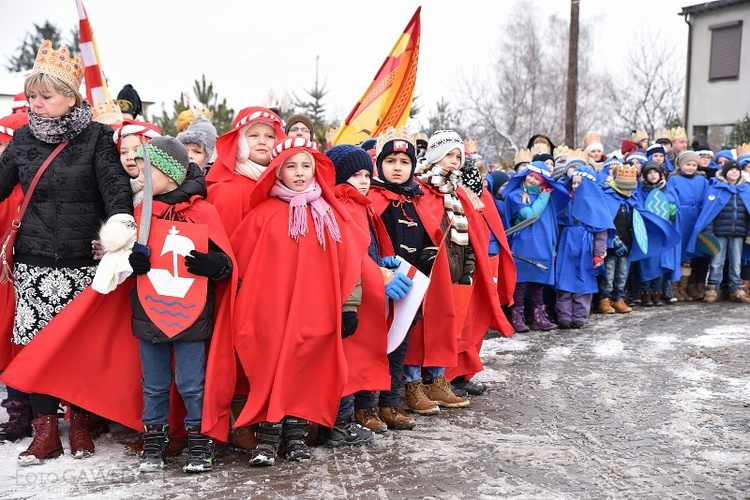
[(572, 88)]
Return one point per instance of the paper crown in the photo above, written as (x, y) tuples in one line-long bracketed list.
[(522, 156), (471, 146), (59, 64), (187, 117), (591, 138), (394, 134), (539, 148), (578, 154), (626, 171), (107, 112), (743, 149), (561, 150), (676, 133), (662, 135), (638, 136)]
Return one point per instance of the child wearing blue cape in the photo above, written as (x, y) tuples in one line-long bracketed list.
[(582, 248), (533, 192), (495, 183), (690, 187), (654, 270), (725, 216)]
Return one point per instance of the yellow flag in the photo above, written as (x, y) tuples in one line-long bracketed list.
[(387, 101)]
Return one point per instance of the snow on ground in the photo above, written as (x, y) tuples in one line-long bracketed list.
[(653, 404)]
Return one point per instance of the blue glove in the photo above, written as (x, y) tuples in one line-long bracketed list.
[(390, 262), (399, 286), (620, 249), (138, 248)]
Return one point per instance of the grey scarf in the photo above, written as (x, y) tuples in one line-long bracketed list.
[(62, 128)]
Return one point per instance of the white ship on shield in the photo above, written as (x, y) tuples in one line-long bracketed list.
[(167, 283)]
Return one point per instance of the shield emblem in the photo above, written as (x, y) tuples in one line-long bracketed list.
[(657, 204), (172, 297), (639, 230)]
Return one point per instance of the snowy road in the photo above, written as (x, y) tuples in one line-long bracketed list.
[(654, 404)]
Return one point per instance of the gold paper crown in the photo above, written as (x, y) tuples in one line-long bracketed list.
[(638, 136), (561, 150), (59, 64), (471, 146), (676, 133), (522, 156), (743, 149), (107, 112), (394, 134), (539, 148), (626, 171), (577, 154), (662, 134), (591, 138), (186, 117)]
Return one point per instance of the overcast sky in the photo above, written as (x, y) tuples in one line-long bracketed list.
[(246, 48)]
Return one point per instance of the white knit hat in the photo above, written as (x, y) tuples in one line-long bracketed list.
[(441, 143)]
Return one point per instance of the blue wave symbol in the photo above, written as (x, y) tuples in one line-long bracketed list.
[(169, 312), (172, 324), (162, 301)]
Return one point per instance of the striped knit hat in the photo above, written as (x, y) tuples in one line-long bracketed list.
[(168, 155)]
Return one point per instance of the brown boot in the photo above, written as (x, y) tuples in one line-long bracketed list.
[(621, 307), (369, 419), (241, 439), (81, 444), (439, 391), (46, 443), (683, 284), (711, 295), (740, 295), (417, 400), (701, 289), (605, 306), (395, 418)]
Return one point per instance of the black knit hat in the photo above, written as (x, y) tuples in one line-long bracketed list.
[(543, 157), (397, 146), (348, 160), (129, 101), (729, 165)]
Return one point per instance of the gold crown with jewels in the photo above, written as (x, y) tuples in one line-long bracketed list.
[(561, 150), (107, 112), (59, 64), (522, 156), (394, 134)]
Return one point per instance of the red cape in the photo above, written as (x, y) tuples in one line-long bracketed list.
[(484, 309), (232, 200), (432, 340), (8, 210), (366, 350), (288, 337), (88, 356)]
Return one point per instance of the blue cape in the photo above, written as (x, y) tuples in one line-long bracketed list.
[(690, 191), (668, 261)]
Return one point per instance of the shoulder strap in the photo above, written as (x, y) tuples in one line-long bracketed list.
[(17, 221)]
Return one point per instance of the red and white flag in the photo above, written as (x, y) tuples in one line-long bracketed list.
[(96, 85)]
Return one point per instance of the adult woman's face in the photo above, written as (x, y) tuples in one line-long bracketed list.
[(49, 104)]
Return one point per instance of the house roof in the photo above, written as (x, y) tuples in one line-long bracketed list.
[(710, 6)]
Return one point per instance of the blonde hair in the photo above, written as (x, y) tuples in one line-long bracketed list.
[(43, 82)]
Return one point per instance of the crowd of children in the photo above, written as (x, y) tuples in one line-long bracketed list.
[(267, 275)]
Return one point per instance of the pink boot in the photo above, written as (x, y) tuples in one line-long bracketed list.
[(517, 320)]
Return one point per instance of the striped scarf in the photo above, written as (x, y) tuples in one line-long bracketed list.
[(446, 182)]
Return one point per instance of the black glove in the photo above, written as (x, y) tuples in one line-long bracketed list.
[(427, 259), (213, 265), (140, 263), (465, 279), (349, 322)]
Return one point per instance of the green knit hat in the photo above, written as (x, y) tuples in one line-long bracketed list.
[(168, 155)]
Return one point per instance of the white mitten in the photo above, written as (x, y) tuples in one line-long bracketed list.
[(117, 236)]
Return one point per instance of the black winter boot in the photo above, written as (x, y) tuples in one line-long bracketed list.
[(200, 452), (20, 415), (269, 436), (295, 446), (348, 432), (155, 444)]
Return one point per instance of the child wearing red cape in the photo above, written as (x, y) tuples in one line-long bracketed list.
[(299, 256)]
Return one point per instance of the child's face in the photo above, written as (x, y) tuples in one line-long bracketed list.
[(689, 167), (531, 180), (658, 158), (721, 160), (396, 168), (297, 172), (260, 138), (596, 154), (128, 146), (733, 175), (575, 182), (159, 181), (653, 176), (361, 181), (197, 154), (451, 161), (704, 161)]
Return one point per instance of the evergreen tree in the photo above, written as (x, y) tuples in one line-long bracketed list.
[(443, 118), (25, 55), (740, 134), (207, 99), (314, 108)]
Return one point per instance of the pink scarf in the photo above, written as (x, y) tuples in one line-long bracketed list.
[(322, 212)]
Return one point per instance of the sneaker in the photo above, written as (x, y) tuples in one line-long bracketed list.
[(368, 418), (154, 455), (417, 400), (200, 452), (395, 418), (439, 392)]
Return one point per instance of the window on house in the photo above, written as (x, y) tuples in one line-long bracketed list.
[(725, 50)]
